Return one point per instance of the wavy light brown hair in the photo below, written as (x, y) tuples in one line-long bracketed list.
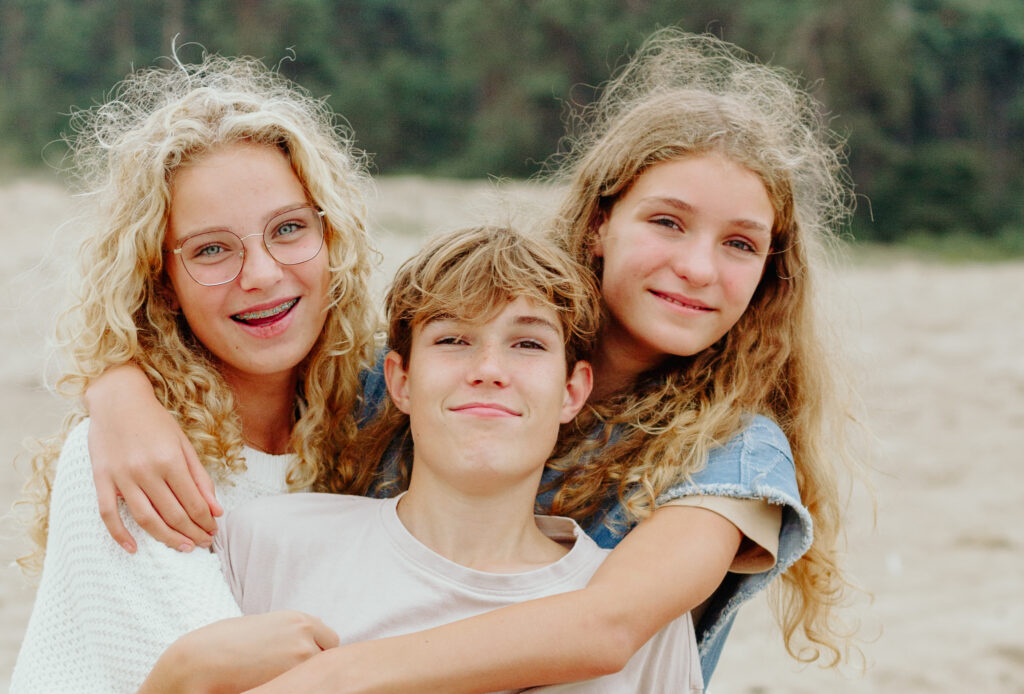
[(680, 96), (124, 155), (470, 274)]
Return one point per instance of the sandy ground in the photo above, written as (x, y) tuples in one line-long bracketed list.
[(943, 382)]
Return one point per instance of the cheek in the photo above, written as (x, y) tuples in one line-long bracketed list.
[(626, 265), (321, 281), (742, 286)]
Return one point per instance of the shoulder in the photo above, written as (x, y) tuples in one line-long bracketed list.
[(286, 515), (756, 462), (278, 534), (73, 483), (76, 443)]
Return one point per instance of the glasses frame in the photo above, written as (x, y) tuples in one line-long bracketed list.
[(263, 234)]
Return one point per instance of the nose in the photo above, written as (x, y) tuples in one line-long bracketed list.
[(695, 260), (259, 269), (488, 367)]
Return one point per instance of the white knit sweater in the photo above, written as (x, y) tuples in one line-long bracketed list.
[(102, 616)]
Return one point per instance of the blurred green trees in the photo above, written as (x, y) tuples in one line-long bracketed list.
[(928, 92)]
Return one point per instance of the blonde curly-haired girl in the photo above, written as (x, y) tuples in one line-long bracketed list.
[(227, 258)]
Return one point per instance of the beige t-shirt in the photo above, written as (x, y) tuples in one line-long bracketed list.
[(350, 561)]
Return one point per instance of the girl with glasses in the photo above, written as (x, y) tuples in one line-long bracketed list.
[(228, 259)]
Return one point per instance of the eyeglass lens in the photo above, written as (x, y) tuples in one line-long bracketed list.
[(216, 257)]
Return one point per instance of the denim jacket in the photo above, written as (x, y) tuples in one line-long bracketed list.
[(756, 463)]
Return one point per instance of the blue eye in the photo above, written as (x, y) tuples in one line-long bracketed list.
[(286, 230), (209, 250), (741, 245), (209, 253), (667, 222)]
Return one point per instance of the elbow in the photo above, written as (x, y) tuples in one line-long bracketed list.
[(614, 641)]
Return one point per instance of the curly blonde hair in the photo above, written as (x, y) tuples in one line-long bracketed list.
[(472, 274), (125, 153), (684, 95)]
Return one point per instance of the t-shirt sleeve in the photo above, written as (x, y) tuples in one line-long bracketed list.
[(102, 616), (758, 520)]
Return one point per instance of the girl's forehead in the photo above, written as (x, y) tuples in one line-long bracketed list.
[(238, 185)]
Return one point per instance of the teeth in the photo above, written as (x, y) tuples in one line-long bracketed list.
[(680, 303), (266, 313)]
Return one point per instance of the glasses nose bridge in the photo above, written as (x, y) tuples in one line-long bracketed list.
[(241, 239), (243, 252)]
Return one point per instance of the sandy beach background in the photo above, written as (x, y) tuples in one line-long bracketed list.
[(942, 349)]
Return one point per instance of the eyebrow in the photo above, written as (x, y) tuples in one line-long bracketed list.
[(525, 320), (748, 224), (266, 220), (539, 322)]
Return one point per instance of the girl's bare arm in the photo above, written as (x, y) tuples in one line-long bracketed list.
[(232, 655), (139, 453)]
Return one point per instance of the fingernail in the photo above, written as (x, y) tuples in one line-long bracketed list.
[(185, 547), (206, 544), (128, 547)]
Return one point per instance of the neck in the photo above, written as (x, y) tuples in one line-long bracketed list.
[(485, 529), (618, 364), (265, 405)]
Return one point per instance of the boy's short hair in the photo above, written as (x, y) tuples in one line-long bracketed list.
[(471, 274)]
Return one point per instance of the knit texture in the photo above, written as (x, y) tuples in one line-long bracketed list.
[(102, 616)]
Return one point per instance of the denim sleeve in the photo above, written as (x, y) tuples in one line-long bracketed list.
[(374, 390), (755, 464)]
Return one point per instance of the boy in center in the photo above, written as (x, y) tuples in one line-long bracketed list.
[(487, 329)]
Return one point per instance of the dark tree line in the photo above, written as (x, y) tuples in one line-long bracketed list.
[(928, 92)]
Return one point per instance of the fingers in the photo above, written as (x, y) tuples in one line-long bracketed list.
[(177, 508), (202, 480), (308, 629), (145, 512), (107, 495), (323, 635), (188, 508)]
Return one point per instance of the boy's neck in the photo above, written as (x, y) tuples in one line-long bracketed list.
[(488, 531)]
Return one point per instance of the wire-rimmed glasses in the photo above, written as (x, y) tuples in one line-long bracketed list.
[(216, 257)]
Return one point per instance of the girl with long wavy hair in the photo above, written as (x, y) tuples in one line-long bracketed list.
[(227, 258), (705, 191)]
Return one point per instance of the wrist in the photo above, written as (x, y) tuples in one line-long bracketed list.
[(179, 669)]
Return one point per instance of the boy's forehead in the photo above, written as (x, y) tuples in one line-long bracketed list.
[(522, 311)]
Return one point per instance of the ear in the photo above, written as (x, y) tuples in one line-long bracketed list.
[(597, 246), (397, 379), (599, 227), (577, 390)]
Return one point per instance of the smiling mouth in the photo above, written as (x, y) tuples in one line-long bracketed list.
[(486, 410), (684, 304), (268, 315)]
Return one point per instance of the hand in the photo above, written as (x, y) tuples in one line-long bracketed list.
[(140, 454), (234, 655)]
